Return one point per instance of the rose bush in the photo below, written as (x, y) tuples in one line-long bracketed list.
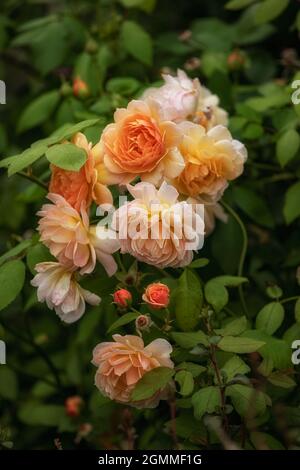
[(191, 337)]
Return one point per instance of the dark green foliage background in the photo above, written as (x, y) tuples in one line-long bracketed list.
[(119, 48)]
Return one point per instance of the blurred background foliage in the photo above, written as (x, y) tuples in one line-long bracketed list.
[(246, 51)]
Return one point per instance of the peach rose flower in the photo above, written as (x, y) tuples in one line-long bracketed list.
[(57, 286), (211, 160), (208, 112), (157, 295), (122, 363), (177, 98), (82, 185), (71, 240), (157, 229), (141, 143)]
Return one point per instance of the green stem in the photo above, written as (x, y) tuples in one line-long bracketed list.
[(31, 343), (33, 179), (120, 262), (289, 299), (43, 354), (243, 252)]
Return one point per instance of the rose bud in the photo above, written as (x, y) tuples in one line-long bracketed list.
[(73, 406), (157, 295), (236, 60), (122, 298), (80, 88), (143, 322)]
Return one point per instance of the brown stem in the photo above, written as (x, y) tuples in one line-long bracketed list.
[(220, 384), (173, 423)]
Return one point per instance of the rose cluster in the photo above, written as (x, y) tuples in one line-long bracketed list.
[(170, 148)]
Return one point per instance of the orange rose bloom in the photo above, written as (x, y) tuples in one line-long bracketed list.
[(82, 185), (157, 295), (141, 143)]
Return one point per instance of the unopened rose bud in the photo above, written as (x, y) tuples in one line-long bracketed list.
[(73, 406), (185, 35), (143, 322), (122, 298), (236, 60), (84, 430), (80, 88), (192, 64), (157, 295)]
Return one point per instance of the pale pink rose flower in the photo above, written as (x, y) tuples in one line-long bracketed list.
[(177, 98), (71, 240), (208, 113), (122, 363), (157, 229), (57, 286), (140, 143)]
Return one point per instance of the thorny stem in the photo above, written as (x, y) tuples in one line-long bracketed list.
[(43, 354), (219, 378), (173, 423), (220, 384), (39, 350), (243, 252), (33, 179)]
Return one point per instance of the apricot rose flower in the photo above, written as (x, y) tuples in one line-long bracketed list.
[(141, 143), (83, 185), (123, 362)]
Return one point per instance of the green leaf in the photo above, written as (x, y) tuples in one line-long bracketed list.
[(194, 369), (199, 263), (268, 10), (253, 205), (291, 208), (275, 349), (137, 42), (186, 382), (151, 382), (123, 320), (38, 111), (264, 441), (188, 300), (297, 311), (246, 400), (233, 328), (12, 277), (287, 146), (216, 293), (235, 365), (35, 414), (37, 254), (190, 340), (239, 345), (270, 318), (25, 159), (206, 401), (15, 251), (238, 4), (125, 86), (67, 156), (279, 379), (8, 383)]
